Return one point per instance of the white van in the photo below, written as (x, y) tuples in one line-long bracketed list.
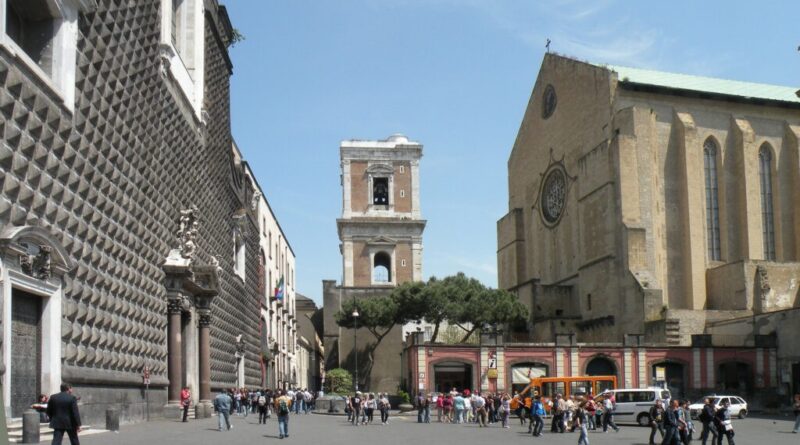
[(633, 405)]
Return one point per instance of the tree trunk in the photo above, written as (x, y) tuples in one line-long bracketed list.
[(435, 331), (469, 334)]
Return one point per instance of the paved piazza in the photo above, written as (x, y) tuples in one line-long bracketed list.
[(332, 430)]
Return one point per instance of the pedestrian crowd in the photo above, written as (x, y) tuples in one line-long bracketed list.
[(264, 402), (581, 413), (361, 408)]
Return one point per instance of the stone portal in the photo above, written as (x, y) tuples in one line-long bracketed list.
[(26, 351)]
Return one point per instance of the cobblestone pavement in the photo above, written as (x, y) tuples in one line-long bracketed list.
[(333, 430)]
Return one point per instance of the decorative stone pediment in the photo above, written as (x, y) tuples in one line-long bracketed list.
[(382, 241), (39, 253), (380, 169)]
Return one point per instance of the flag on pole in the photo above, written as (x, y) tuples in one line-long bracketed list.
[(279, 290)]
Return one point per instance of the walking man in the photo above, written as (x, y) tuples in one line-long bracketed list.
[(262, 407), (706, 416), (656, 421), (62, 409), (722, 418), (222, 405), (608, 413), (283, 405), (537, 415), (671, 434)]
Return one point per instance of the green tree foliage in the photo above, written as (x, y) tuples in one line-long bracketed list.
[(487, 307), (443, 298), (465, 302), (338, 381), (458, 299)]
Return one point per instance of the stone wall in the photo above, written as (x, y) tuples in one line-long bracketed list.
[(339, 342), (109, 180)]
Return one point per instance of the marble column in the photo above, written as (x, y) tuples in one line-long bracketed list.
[(175, 370), (204, 319)]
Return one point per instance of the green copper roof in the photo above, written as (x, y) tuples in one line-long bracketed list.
[(745, 90)]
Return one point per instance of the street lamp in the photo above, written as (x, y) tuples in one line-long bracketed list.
[(355, 341)]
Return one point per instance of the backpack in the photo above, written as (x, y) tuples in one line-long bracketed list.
[(283, 408), (262, 401)]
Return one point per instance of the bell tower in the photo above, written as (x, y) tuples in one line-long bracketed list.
[(381, 226), (380, 234)]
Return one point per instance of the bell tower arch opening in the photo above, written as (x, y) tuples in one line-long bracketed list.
[(382, 268)]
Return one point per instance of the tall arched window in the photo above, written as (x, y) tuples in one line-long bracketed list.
[(712, 199), (382, 268), (767, 214)]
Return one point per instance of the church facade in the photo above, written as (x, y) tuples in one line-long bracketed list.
[(129, 240), (661, 206)]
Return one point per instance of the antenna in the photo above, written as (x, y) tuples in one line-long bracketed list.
[(547, 45)]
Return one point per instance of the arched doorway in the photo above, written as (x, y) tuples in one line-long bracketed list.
[(521, 373), (672, 374), (601, 365), (449, 375), (736, 377)]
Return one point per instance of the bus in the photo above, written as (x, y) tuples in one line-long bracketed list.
[(548, 387)]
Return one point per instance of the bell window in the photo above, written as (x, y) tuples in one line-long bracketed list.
[(380, 191)]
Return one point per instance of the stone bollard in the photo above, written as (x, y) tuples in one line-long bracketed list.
[(112, 419), (30, 426)]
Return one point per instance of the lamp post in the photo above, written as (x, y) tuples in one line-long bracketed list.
[(355, 342)]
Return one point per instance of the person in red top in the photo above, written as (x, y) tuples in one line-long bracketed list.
[(186, 400), (448, 409)]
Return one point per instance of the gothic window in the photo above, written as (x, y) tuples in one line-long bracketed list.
[(767, 214), (712, 199), (380, 191), (382, 268)]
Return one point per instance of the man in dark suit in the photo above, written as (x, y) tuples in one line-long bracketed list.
[(62, 408)]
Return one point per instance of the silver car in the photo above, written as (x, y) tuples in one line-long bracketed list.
[(738, 405)]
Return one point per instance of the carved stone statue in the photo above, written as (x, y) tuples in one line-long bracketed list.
[(37, 265), (254, 200), (187, 233)]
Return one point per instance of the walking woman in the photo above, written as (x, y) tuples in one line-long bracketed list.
[(385, 406), (581, 422), (796, 414), (505, 409), (370, 407)]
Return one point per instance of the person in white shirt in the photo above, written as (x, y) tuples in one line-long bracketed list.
[(480, 410), (467, 409)]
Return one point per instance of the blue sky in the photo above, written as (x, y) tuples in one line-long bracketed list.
[(456, 76)]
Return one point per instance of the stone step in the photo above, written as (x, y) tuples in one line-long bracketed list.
[(45, 433)]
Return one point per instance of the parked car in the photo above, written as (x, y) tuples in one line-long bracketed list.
[(738, 405), (633, 405)]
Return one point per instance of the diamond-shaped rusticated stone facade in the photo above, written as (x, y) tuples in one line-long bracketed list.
[(109, 180)]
